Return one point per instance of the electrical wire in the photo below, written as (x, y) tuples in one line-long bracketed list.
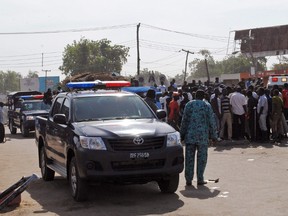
[(162, 59), (208, 37), (69, 30)]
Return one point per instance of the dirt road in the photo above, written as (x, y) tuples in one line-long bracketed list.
[(253, 181)]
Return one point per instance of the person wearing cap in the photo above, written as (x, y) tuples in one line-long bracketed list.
[(197, 127)]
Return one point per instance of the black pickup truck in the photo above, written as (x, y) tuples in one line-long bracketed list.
[(107, 136), (23, 107)]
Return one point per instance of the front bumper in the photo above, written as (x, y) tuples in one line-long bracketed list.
[(29, 125), (99, 166)]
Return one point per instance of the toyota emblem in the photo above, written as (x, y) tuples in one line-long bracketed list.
[(138, 140)]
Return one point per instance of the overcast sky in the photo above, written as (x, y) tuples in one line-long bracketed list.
[(167, 26)]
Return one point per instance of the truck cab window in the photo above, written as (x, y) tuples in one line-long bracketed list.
[(65, 108), (57, 106)]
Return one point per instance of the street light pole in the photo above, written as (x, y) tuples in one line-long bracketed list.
[(187, 53)]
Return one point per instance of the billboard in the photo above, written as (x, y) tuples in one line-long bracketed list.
[(48, 82), (29, 84), (259, 42)]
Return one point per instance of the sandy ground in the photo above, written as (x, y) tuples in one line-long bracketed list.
[(253, 181)]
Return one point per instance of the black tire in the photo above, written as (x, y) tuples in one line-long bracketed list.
[(2, 133), (13, 130), (79, 187), (47, 173), (169, 185), (24, 131)]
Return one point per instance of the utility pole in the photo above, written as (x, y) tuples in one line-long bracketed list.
[(138, 51), (248, 39), (207, 70), (187, 53), (46, 78)]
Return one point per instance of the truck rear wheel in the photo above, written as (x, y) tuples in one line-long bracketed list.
[(24, 131), (78, 186), (13, 130), (47, 173), (169, 185)]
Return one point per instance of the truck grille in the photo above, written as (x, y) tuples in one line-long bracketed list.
[(138, 165), (127, 144)]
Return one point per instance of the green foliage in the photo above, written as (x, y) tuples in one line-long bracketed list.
[(93, 56), (198, 66), (32, 74), (283, 65), (9, 81), (230, 65)]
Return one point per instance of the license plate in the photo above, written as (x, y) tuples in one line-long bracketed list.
[(139, 155)]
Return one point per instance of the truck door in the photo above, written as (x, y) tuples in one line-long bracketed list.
[(17, 113), (62, 132), (52, 133)]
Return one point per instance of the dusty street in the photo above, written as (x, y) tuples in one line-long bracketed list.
[(253, 181)]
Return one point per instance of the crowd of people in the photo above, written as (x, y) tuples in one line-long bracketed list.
[(200, 113), (247, 110)]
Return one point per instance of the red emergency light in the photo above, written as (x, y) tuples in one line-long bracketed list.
[(116, 84), (98, 84), (274, 79)]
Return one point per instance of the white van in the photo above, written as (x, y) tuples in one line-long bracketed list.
[(277, 80)]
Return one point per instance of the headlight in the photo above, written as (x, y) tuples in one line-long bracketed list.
[(173, 139), (29, 117), (95, 143)]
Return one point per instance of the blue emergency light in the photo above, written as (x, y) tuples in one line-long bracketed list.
[(32, 97), (97, 84)]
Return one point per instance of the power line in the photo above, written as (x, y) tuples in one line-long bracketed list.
[(28, 59), (69, 30), (162, 59), (32, 54), (209, 37)]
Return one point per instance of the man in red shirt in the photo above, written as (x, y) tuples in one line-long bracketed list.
[(174, 112), (285, 100)]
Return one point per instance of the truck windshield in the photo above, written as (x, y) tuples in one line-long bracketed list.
[(35, 105), (110, 107)]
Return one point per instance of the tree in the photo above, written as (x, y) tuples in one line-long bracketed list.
[(9, 81), (2, 82), (283, 65), (198, 66), (32, 74), (230, 65), (93, 56)]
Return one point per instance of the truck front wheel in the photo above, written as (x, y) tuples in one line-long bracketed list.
[(13, 130), (47, 173), (78, 186), (169, 185), (24, 131)]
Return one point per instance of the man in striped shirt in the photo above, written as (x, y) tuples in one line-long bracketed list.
[(226, 115)]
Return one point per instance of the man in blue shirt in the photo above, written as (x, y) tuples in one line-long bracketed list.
[(197, 126)]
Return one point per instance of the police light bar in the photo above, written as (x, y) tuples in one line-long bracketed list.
[(97, 84), (32, 97)]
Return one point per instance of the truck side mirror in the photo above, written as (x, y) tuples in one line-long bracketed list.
[(60, 119), (161, 114)]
